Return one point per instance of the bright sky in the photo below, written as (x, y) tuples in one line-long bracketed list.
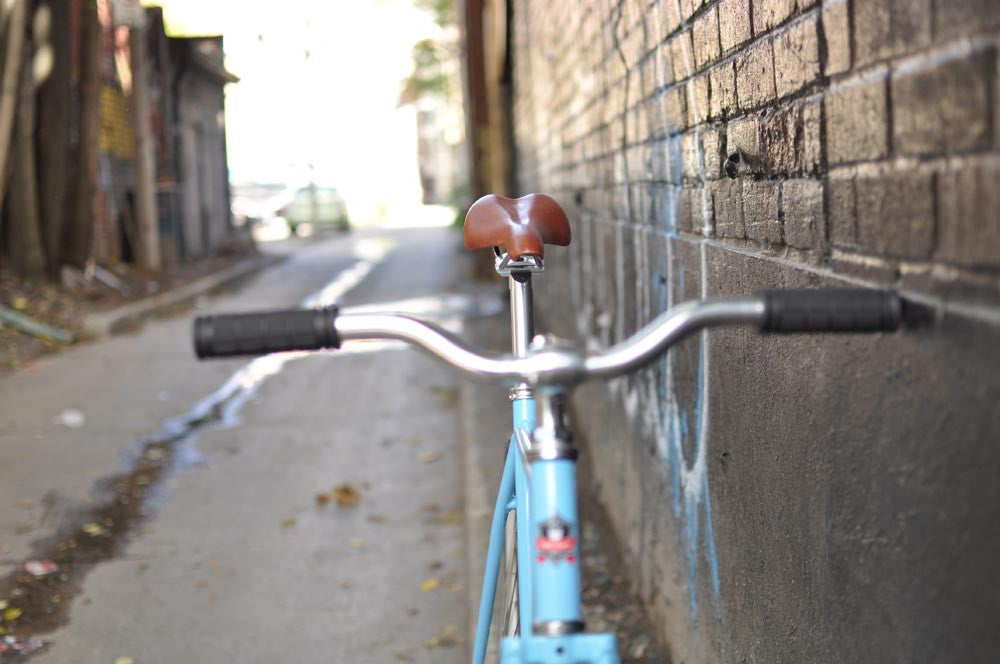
[(337, 110)]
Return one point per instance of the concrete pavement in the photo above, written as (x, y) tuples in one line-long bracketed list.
[(232, 557)]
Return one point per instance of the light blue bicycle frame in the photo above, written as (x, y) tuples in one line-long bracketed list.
[(540, 487)]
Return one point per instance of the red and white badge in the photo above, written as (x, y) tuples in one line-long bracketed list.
[(555, 543)]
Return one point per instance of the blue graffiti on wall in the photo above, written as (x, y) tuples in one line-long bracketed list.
[(683, 425)]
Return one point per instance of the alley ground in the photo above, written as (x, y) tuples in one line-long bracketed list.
[(291, 508)]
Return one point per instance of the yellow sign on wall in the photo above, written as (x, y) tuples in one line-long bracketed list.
[(116, 134)]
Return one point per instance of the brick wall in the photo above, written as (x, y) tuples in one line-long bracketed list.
[(803, 498)]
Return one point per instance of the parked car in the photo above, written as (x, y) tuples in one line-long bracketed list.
[(319, 206)]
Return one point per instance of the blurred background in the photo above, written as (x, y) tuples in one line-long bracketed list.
[(149, 136), (809, 498)]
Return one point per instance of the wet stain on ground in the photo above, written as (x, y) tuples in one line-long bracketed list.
[(96, 534)]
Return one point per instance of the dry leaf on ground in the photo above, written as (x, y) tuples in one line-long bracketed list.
[(346, 495)]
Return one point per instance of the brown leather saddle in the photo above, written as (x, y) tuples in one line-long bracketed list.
[(523, 225)]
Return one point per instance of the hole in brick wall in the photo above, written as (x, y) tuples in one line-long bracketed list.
[(733, 164)]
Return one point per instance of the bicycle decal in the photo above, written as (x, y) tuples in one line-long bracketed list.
[(555, 543)]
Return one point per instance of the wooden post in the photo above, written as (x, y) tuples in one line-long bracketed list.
[(27, 256), (9, 84), (80, 221), (53, 139), (145, 169)]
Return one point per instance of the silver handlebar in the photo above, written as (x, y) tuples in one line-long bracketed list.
[(551, 364)]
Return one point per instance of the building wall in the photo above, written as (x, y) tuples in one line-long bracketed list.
[(800, 498), (204, 170)]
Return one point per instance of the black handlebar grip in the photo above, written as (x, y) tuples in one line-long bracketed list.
[(226, 335), (834, 310)]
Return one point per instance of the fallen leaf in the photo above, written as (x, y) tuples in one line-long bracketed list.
[(446, 396), (366, 485), (435, 566), (94, 529), (20, 303), (431, 507), (346, 495), (430, 584), (288, 522), (404, 657), (431, 643), (322, 498), (378, 518), (11, 614), (356, 542), (124, 660), (3, 604), (449, 630), (428, 457), (450, 517)]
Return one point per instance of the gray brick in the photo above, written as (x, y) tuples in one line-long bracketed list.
[(701, 210), (789, 138), (769, 13), (968, 224), (697, 100), (944, 106), (961, 17), (665, 64), (755, 76), (727, 205), (690, 161), (689, 7), (713, 143), (812, 135), (734, 23), (841, 205), (743, 134), (796, 55), (648, 76), (885, 28), (669, 19), (760, 211), (722, 90), (684, 210), (705, 33), (895, 214), (681, 55), (675, 109), (802, 208), (856, 122), (837, 33)]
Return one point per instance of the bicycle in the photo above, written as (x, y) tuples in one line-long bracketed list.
[(538, 483)]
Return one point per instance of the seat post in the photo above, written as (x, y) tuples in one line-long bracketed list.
[(522, 322)]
